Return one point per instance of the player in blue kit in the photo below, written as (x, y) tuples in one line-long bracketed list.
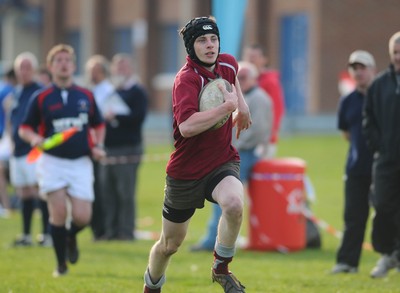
[(65, 173), (22, 174)]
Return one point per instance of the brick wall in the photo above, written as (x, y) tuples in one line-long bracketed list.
[(349, 25)]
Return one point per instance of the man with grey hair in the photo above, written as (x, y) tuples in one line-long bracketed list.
[(98, 73), (357, 179), (256, 138), (22, 174), (124, 146), (381, 128)]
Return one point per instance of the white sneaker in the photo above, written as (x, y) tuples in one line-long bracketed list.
[(44, 240), (24, 240), (343, 268), (384, 265)]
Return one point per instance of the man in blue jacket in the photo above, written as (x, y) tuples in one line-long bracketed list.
[(357, 179)]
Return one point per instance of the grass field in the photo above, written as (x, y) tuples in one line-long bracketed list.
[(119, 266)]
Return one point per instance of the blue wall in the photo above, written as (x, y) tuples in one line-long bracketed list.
[(230, 19), (294, 62)]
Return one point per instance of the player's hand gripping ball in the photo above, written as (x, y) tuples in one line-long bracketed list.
[(211, 97)]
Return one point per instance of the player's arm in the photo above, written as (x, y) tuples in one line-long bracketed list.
[(199, 122), (99, 134), (203, 121), (29, 135), (29, 123), (97, 130), (242, 118)]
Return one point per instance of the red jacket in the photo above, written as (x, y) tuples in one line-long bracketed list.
[(269, 80)]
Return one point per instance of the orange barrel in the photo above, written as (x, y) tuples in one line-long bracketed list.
[(277, 198)]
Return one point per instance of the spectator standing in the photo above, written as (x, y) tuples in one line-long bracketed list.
[(358, 171), (381, 128), (22, 174), (252, 142), (98, 71), (65, 172), (124, 113), (269, 80)]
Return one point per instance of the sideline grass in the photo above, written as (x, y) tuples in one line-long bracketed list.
[(119, 266)]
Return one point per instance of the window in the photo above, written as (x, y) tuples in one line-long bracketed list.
[(294, 62), (73, 38), (122, 40), (169, 45)]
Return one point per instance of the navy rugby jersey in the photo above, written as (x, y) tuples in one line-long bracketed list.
[(359, 158), (21, 98), (55, 109)]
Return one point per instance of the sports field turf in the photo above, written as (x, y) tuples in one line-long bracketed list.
[(119, 266)]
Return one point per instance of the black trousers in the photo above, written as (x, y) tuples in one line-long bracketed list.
[(356, 210), (97, 222), (386, 201)]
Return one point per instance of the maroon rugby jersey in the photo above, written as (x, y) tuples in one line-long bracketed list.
[(196, 156)]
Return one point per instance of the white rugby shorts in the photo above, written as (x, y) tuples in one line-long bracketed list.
[(74, 174), (22, 173)]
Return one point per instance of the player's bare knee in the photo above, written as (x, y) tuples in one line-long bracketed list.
[(169, 248), (81, 220), (234, 208), (58, 215)]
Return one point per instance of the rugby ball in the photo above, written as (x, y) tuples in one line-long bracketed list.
[(211, 97)]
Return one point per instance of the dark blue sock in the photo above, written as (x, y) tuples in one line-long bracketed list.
[(59, 235), (28, 205), (74, 229), (45, 217)]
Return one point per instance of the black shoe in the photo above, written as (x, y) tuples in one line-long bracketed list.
[(72, 250), (60, 271)]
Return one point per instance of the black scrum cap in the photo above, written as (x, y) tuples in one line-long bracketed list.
[(195, 28)]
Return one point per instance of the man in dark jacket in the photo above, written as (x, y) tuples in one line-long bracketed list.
[(381, 129), (124, 113), (357, 179)]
